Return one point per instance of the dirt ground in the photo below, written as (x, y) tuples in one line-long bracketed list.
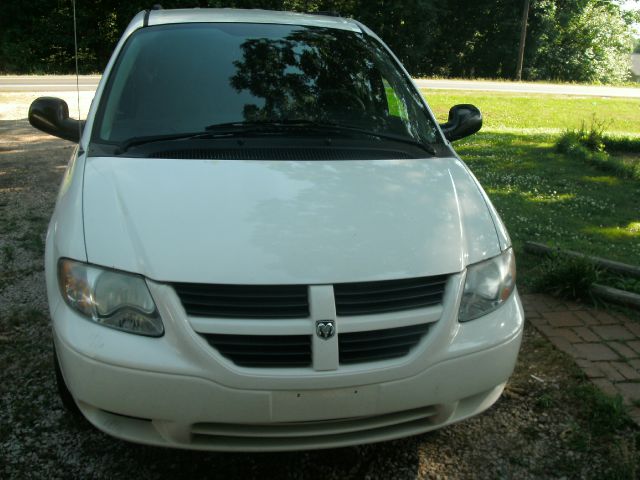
[(543, 427)]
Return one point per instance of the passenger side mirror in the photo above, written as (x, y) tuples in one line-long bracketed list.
[(51, 115), (464, 120)]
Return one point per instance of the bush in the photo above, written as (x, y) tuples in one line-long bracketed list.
[(591, 145), (622, 144), (566, 277)]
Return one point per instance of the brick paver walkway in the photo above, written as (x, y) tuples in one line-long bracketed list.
[(606, 345)]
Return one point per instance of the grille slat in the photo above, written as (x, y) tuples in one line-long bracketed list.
[(280, 355), (386, 334), (368, 298), (373, 308), (375, 345), (244, 301), (381, 345), (268, 341), (240, 291), (263, 350), (388, 286), (227, 302), (366, 357), (193, 310), (396, 297)]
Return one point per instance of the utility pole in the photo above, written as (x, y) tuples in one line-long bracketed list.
[(523, 36)]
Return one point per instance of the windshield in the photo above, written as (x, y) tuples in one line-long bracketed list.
[(190, 78)]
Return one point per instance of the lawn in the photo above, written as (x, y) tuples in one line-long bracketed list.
[(539, 113), (542, 195)]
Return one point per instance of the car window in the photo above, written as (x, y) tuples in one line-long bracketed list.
[(174, 79)]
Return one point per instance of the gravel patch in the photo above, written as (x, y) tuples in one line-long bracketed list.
[(538, 429)]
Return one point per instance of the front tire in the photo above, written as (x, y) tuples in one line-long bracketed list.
[(63, 392)]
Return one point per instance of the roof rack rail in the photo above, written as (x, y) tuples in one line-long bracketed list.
[(157, 6), (326, 13)]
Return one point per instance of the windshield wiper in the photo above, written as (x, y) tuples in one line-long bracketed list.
[(233, 129), (135, 141), (213, 131), (275, 126)]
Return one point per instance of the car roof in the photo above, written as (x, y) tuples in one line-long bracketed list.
[(232, 15)]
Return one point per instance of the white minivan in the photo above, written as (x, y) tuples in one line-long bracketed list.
[(264, 241)]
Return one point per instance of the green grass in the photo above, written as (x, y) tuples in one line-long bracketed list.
[(591, 145), (541, 113), (543, 195), (625, 83), (546, 196)]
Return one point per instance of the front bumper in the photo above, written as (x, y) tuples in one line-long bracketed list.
[(175, 391)]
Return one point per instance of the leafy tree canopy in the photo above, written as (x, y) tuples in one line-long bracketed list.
[(572, 40)]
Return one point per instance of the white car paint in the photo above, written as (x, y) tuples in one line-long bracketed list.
[(284, 222)]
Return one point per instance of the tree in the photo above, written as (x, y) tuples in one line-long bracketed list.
[(586, 41), (574, 40)]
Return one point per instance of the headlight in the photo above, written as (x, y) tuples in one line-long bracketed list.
[(488, 285), (113, 299)]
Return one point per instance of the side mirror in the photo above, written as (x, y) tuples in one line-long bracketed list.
[(51, 115), (464, 120)]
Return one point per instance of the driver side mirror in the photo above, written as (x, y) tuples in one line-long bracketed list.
[(51, 115), (464, 120)]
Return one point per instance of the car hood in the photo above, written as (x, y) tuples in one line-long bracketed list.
[(284, 222)]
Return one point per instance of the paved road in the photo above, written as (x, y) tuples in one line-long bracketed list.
[(66, 83), (47, 83), (523, 87)]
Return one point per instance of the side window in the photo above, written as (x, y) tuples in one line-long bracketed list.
[(395, 104)]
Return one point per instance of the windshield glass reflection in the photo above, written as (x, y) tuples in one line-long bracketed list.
[(175, 79)]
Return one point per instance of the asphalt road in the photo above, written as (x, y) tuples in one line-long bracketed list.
[(47, 83), (66, 83), (524, 87)]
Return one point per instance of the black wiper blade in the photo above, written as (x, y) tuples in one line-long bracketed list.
[(273, 126), (135, 141), (212, 131), (373, 133), (266, 126)]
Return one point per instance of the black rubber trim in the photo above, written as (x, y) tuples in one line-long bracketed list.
[(145, 22)]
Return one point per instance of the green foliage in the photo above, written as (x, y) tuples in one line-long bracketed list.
[(591, 139), (622, 283), (567, 277), (584, 41), (591, 145), (576, 40), (622, 144)]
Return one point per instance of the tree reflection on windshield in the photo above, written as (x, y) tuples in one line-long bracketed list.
[(311, 74), (257, 73)]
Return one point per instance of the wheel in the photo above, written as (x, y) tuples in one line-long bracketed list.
[(63, 392)]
